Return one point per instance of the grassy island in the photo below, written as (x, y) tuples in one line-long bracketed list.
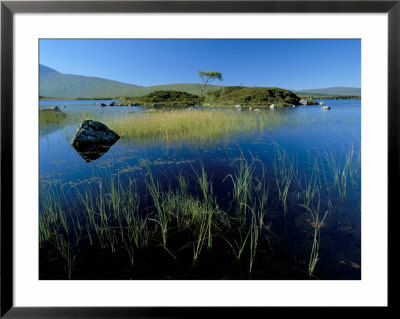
[(255, 96), (226, 96)]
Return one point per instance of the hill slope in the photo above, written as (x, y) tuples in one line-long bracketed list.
[(56, 84), (60, 85), (332, 91)]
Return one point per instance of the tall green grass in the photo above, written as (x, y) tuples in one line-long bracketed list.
[(286, 173), (116, 214), (345, 172), (193, 125), (316, 224)]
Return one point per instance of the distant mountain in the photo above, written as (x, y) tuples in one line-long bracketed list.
[(332, 91), (56, 84), (60, 85), (46, 70)]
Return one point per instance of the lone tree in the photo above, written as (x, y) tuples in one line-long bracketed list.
[(207, 77)]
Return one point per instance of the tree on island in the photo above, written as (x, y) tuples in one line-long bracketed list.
[(207, 77)]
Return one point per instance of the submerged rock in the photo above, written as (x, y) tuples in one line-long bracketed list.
[(93, 139)]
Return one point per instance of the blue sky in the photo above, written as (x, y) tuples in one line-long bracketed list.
[(290, 64)]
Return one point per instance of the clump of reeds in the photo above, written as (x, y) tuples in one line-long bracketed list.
[(316, 224), (47, 117), (286, 172), (345, 173), (112, 215), (250, 195), (194, 125)]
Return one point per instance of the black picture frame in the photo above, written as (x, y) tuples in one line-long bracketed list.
[(9, 8)]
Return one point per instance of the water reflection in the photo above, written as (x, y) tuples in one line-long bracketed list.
[(91, 153)]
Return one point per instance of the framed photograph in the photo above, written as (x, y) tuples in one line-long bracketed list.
[(175, 158)]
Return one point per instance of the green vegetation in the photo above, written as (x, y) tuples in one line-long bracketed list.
[(61, 85), (328, 97), (332, 91), (208, 77), (58, 85), (316, 234), (192, 88), (107, 216), (196, 126), (310, 101), (165, 98), (257, 96), (192, 125), (49, 116), (227, 96)]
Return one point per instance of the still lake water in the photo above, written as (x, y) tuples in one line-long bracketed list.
[(334, 130), (313, 135)]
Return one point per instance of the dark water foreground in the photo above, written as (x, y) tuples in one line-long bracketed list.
[(281, 203)]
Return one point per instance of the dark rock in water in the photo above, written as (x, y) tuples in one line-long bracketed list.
[(92, 132), (93, 139)]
